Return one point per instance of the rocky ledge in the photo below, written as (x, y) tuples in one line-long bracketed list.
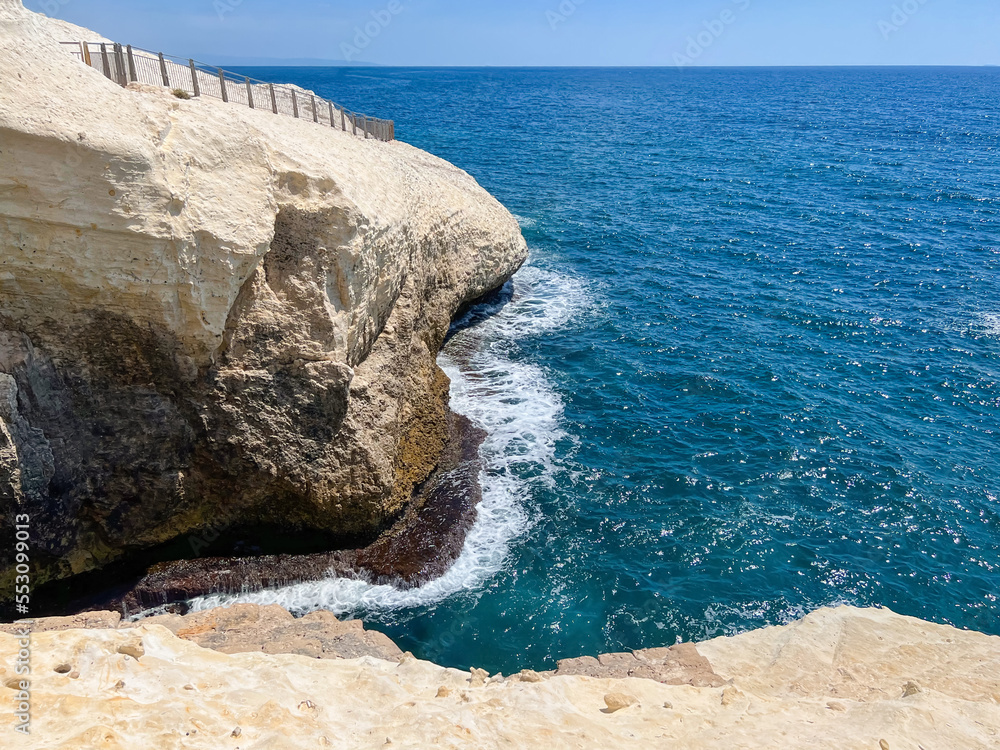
[(846, 678), (216, 318)]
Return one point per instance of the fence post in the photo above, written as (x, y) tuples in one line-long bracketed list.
[(113, 56), (105, 60), (194, 78), (222, 83), (131, 64), (163, 70), (120, 65)]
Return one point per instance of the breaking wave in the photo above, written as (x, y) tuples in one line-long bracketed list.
[(516, 404)]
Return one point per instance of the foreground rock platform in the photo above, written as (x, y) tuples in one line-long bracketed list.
[(245, 628), (839, 678)]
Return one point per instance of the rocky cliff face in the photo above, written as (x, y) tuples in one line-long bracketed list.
[(846, 678), (211, 315)]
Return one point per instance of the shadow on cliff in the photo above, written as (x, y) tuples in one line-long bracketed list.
[(480, 310), (416, 546)]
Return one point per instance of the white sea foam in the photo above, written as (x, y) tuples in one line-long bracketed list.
[(524, 221), (521, 412), (990, 323)]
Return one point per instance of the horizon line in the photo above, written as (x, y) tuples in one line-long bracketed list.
[(347, 64)]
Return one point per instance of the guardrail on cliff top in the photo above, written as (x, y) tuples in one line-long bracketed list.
[(125, 65)]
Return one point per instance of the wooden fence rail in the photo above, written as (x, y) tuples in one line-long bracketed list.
[(127, 64)]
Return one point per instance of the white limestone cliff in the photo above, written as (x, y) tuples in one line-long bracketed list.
[(215, 315), (845, 678)]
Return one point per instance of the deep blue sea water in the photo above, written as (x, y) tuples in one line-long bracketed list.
[(752, 368)]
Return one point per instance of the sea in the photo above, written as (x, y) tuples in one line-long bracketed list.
[(751, 369)]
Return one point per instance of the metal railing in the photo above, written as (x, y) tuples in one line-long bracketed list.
[(125, 65)]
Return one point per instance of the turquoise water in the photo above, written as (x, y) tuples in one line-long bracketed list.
[(752, 368)]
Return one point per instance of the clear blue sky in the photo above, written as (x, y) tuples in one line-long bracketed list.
[(557, 32)]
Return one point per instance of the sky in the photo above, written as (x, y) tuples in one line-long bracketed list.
[(553, 32)]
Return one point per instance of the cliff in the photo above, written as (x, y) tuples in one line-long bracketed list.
[(215, 317), (845, 678)]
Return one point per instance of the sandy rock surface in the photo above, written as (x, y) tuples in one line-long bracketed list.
[(213, 316), (245, 628), (845, 678)]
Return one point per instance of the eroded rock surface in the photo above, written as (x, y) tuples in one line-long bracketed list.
[(678, 665), (846, 678), (214, 316), (418, 548), (245, 628)]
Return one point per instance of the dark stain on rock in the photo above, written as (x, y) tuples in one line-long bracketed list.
[(419, 546)]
